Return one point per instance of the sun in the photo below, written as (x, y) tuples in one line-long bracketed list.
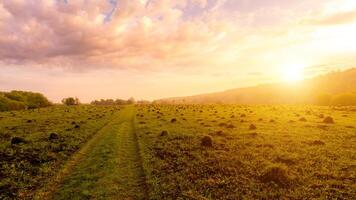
[(292, 73)]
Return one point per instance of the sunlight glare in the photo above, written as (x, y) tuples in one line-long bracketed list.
[(294, 72)]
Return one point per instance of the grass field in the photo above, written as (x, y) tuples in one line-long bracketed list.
[(112, 168), (25, 167), (257, 152), (179, 152)]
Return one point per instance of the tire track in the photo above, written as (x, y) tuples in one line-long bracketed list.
[(109, 166)]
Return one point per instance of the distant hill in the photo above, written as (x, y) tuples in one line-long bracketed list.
[(331, 88)]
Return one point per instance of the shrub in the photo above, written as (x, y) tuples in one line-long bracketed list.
[(7, 104), (70, 101), (16, 105), (30, 99), (18, 100)]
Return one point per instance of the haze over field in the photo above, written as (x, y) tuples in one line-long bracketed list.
[(153, 49)]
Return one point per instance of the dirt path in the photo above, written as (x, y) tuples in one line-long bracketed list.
[(108, 167)]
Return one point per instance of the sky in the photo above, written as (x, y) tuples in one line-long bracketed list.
[(150, 49)]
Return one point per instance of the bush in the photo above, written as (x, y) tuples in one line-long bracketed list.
[(16, 105), (4, 103), (70, 101), (18, 100), (30, 99)]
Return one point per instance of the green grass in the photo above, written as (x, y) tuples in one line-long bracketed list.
[(282, 158), (25, 167), (257, 152), (111, 169)]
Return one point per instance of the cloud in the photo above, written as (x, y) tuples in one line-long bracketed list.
[(112, 12), (200, 3), (85, 47), (218, 4), (145, 34), (333, 19), (86, 33)]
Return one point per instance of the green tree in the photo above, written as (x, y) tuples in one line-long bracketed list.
[(71, 101), (17, 100)]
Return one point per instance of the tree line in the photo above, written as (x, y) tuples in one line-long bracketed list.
[(19, 100), (110, 102)]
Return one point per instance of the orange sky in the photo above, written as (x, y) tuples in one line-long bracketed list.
[(159, 48)]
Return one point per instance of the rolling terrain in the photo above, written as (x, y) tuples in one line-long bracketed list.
[(306, 91)]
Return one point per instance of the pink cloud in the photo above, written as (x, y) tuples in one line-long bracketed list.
[(57, 33), (139, 35), (147, 47)]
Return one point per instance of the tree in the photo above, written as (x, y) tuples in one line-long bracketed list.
[(120, 102), (109, 102), (131, 101), (18, 100), (71, 101)]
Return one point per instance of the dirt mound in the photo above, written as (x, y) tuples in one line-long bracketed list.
[(53, 136), (207, 141), (328, 120), (277, 174), (252, 127), (302, 119), (164, 133), (17, 140)]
